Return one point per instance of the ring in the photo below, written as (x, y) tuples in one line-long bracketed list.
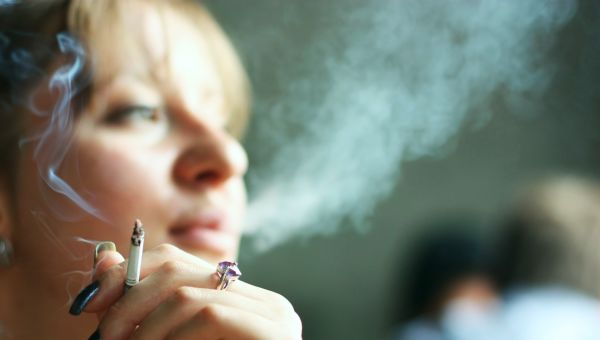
[(227, 272)]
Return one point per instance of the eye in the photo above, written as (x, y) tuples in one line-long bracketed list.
[(135, 114)]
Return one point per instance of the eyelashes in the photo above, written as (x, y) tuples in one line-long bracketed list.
[(136, 114), (143, 118)]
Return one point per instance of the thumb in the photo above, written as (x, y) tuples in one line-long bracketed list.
[(106, 256), (109, 274)]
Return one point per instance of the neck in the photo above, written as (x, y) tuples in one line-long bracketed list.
[(30, 310)]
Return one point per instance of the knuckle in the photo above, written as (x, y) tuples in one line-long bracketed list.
[(170, 267), (297, 322), (281, 302), (287, 311), (184, 295), (210, 313)]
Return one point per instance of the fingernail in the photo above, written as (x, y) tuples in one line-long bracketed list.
[(95, 336), (102, 246), (84, 298)]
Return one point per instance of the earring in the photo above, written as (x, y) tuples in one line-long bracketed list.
[(6, 253)]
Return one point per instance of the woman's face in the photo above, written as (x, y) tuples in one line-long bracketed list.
[(151, 144)]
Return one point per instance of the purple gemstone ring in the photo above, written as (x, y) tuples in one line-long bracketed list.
[(227, 272)]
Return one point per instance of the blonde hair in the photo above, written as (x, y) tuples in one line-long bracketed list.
[(554, 235), (30, 28), (89, 18)]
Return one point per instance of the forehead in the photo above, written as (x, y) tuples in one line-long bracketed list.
[(158, 46)]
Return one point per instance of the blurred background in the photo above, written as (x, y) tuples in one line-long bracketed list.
[(373, 120)]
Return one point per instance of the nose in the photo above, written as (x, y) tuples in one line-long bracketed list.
[(210, 160)]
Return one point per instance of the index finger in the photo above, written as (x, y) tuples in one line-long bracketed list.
[(111, 271)]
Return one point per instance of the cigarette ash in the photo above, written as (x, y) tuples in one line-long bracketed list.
[(138, 233)]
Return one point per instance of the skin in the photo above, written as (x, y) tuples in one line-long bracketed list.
[(166, 165)]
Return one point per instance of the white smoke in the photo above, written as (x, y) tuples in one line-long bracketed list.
[(53, 143), (53, 140), (392, 80), (7, 3)]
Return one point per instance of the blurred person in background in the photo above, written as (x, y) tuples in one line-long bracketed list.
[(549, 261), (546, 269), (447, 273)]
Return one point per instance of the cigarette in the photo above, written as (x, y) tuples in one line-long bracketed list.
[(135, 255)]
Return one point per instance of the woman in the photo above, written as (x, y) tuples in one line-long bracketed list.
[(113, 110)]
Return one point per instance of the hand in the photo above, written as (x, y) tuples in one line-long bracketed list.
[(176, 299)]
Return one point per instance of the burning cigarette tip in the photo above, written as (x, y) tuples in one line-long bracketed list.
[(135, 255), (137, 226), (138, 233)]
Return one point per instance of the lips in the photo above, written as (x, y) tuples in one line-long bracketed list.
[(205, 231)]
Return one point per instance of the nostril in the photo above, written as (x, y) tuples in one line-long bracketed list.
[(206, 176)]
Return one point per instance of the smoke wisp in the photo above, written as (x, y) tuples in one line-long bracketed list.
[(388, 81), (52, 140), (53, 143)]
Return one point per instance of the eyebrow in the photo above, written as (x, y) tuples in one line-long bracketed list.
[(137, 77)]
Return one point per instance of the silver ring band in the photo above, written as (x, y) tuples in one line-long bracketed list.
[(227, 272)]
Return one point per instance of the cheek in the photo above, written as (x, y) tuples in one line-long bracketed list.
[(119, 183), (122, 181), (237, 192)]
